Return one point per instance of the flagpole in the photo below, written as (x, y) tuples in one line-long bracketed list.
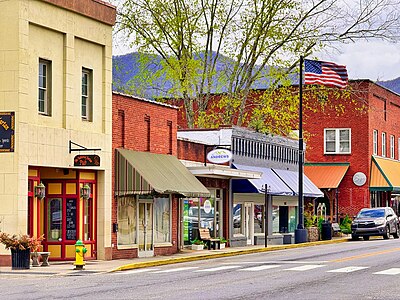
[(300, 234)]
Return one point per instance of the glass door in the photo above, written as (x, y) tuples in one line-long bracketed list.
[(145, 229)]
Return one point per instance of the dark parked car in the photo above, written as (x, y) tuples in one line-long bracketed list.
[(375, 221)]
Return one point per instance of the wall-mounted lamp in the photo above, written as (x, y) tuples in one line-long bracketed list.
[(40, 191), (85, 191)]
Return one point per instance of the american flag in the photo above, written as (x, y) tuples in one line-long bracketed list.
[(325, 73)]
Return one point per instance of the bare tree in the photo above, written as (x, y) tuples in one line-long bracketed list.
[(226, 46)]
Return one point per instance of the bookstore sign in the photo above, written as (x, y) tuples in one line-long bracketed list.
[(7, 128)]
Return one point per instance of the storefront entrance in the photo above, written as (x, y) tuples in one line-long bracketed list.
[(64, 214), (145, 233), (248, 222)]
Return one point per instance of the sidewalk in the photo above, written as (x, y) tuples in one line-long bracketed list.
[(106, 266)]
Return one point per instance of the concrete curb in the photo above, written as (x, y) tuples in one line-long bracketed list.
[(189, 258)]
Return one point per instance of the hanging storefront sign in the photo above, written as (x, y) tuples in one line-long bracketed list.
[(87, 161), (7, 126), (219, 156)]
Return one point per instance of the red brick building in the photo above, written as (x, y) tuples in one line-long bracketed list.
[(353, 149), (148, 179)]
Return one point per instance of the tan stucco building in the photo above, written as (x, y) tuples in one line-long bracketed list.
[(55, 98)]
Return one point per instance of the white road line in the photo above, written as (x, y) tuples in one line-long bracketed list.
[(137, 271), (347, 269), (218, 269), (305, 268), (260, 268), (282, 262), (177, 270), (392, 271)]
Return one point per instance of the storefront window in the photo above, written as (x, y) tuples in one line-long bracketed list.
[(190, 220), (237, 218), (87, 208), (162, 220), (127, 221), (259, 219), (207, 214), (292, 218), (54, 219), (275, 219)]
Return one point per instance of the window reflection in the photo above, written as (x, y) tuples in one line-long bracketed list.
[(54, 219)]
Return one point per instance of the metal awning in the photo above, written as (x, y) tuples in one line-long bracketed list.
[(275, 184), (219, 171), (326, 175), (291, 178), (144, 173), (385, 174)]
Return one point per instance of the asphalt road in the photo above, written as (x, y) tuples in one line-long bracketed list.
[(353, 270)]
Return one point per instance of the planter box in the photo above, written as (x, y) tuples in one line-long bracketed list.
[(20, 259), (197, 247), (222, 246), (313, 234)]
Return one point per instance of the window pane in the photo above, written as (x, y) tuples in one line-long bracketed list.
[(258, 218), (162, 220), (54, 219), (344, 147), (330, 135), (87, 208), (344, 135), (126, 221), (330, 146), (237, 218)]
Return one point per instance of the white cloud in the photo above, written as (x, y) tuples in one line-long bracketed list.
[(375, 60)]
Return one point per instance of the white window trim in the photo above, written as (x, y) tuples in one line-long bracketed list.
[(392, 146), (375, 142), (383, 144), (47, 89), (88, 96), (337, 140)]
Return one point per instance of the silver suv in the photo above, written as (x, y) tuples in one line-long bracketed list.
[(375, 221)]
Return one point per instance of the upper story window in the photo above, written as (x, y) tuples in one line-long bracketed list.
[(383, 144), (375, 142), (337, 141), (398, 148), (87, 99), (44, 87), (392, 146)]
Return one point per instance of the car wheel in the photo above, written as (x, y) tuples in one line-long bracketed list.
[(354, 237), (386, 236), (366, 238), (396, 234)]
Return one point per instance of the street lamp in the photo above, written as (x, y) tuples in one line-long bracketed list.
[(85, 191), (267, 195), (300, 234), (40, 191)]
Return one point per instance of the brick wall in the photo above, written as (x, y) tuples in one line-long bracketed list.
[(131, 117), (362, 121)]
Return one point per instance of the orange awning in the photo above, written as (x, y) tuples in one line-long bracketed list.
[(385, 174), (326, 175)]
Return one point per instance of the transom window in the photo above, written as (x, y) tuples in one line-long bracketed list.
[(337, 141), (44, 87), (86, 105)]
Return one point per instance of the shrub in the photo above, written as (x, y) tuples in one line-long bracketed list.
[(20, 242), (345, 225)]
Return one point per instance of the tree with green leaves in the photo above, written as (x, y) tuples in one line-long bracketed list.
[(226, 47)]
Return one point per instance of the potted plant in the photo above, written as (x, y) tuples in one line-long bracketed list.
[(197, 244), (222, 242), (311, 224), (21, 247)]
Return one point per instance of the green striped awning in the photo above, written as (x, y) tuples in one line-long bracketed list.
[(144, 172)]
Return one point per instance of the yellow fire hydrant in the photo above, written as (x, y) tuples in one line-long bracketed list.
[(80, 251)]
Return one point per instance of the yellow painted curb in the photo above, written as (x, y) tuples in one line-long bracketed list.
[(153, 263)]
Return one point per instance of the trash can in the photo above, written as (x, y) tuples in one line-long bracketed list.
[(326, 231), (287, 238)]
